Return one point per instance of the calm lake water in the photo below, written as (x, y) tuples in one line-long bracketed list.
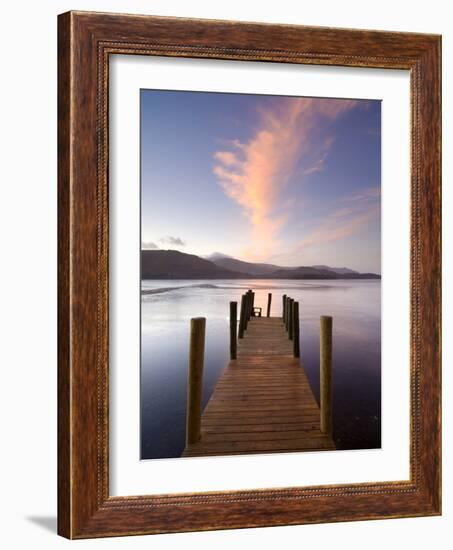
[(167, 307)]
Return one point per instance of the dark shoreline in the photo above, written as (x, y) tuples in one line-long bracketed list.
[(182, 276)]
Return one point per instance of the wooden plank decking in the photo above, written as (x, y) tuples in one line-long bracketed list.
[(263, 401)]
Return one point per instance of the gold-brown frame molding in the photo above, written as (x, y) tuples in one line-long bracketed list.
[(85, 42)]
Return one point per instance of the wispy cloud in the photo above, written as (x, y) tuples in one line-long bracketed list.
[(319, 164), (254, 173), (172, 241), (149, 246), (366, 195), (338, 227), (343, 222)]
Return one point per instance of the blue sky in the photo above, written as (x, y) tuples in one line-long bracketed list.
[(285, 180)]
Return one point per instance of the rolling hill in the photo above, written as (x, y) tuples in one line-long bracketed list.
[(227, 262), (171, 264)]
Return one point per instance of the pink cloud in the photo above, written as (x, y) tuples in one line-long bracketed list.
[(370, 193), (338, 226), (319, 164), (227, 158), (343, 222), (254, 174)]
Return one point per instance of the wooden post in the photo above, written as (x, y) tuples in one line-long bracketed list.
[(296, 342), (252, 304), (286, 312), (195, 379), (285, 320), (325, 367), (233, 329), (284, 303), (290, 319), (246, 309), (269, 301), (242, 317)]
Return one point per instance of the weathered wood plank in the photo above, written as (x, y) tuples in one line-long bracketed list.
[(220, 429), (261, 407), (256, 414), (293, 444), (258, 418), (274, 435), (262, 400)]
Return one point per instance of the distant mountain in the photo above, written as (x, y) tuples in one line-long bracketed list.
[(257, 270), (313, 273), (271, 271), (172, 264), (216, 256), (339, 270), (304, 272)]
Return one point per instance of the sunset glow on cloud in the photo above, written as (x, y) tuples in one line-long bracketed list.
[(255, 172), (345, 221)]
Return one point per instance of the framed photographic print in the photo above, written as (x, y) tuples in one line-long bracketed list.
[(249, 275)]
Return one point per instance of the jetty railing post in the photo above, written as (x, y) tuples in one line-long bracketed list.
[(296, 342), (290, 319), (284, 304), (242, 317), (195, 379), (233, 329), (249, 304), (252, 304), (247, 307), (325, 367), (269, 301), (288, 307), (286, 312)]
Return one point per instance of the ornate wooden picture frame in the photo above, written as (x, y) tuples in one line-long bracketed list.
[(85, 41)]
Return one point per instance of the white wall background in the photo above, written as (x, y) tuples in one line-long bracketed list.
[(28, 216)]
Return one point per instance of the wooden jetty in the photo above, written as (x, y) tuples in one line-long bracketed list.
[(263, 401)]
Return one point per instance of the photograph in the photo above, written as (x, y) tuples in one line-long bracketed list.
[(260, 274)]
